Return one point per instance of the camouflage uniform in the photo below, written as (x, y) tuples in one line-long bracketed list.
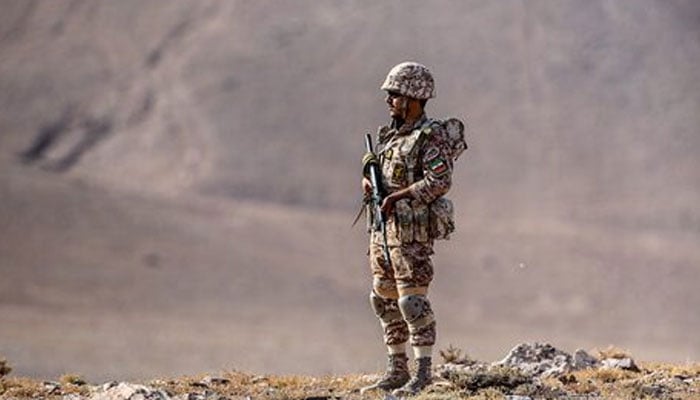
[(416, 157)]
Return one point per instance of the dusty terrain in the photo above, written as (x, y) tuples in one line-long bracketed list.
[(177, 180), (529, 371)]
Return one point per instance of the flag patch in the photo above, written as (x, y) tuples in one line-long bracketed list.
[(438, 166)]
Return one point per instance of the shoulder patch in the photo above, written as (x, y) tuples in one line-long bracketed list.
[(438, 167), (432, 153)]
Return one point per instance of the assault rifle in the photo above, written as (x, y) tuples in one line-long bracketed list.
[(371, 168)]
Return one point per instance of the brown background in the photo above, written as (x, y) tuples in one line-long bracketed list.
[(177, 180)]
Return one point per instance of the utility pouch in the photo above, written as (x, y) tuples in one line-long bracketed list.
[(404, 220), (421, 221), (442, 219)]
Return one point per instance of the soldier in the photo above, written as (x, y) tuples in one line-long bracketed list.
[(416, 168)]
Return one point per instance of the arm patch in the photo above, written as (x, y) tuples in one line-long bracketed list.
[(431, 154), (438, 167)]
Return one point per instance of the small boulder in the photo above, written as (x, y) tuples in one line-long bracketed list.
[(215, 380), (620, 363), (583, 360), (538, 359), (129, 391)]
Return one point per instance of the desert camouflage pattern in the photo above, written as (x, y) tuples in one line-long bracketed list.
[(411, 267), (394, 327), (418, 314), (442, 220), (410, 79), (417, 157), (423, 336)]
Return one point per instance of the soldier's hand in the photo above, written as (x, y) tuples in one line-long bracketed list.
[(388, 202), (366, 185)]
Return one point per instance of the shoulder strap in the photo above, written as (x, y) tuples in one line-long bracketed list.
[(415, 172)]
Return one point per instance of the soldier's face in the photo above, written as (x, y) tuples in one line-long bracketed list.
[(397, 104)]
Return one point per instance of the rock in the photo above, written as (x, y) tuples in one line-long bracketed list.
[(620, 363), (538, 359), (514, 397), (583, 360), (129, 391), (200, 384), (52, 387), (209, 380), (108, 385), (654, 391)]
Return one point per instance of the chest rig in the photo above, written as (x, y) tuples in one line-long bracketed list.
[(401, 161), (399, 156)]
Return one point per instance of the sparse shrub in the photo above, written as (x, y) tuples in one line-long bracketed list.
[(502, 378), (489, 394), (450, 395), (73, 379), (453, 355), (605, 375), (613, 352), (4, 367)]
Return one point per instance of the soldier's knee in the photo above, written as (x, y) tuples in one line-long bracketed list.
[(385, 288), (416, 310), (385, 309)]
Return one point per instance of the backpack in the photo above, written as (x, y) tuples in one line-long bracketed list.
[(455, 134), (442, 220)]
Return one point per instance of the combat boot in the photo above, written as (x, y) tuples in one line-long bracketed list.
[(419, 382), (396, 374)]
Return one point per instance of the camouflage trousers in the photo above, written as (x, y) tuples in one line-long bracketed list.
[(398, 295)]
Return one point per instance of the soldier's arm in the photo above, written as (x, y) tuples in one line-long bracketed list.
[(437, 167)]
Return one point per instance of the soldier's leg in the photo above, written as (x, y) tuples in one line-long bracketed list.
[(414, 272), (384, 302)]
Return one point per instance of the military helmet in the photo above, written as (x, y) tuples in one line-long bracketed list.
[(410, 79)]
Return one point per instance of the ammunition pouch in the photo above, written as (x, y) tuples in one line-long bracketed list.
[(442, 218), (420, 222)]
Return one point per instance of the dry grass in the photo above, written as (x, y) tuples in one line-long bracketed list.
[(655, 380), (269, 386), (612, 352), (72, 379), (11, 387)]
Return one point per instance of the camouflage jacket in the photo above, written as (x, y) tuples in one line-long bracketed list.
[(416, 157)]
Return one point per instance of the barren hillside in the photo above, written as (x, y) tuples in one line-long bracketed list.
[(177, 179)]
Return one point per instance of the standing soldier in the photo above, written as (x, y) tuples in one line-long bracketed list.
[(414, 160)]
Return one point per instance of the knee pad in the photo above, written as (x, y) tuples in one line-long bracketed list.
[(416, 310), (385, 309)]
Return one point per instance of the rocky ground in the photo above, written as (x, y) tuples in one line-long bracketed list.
[(529, 371)]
